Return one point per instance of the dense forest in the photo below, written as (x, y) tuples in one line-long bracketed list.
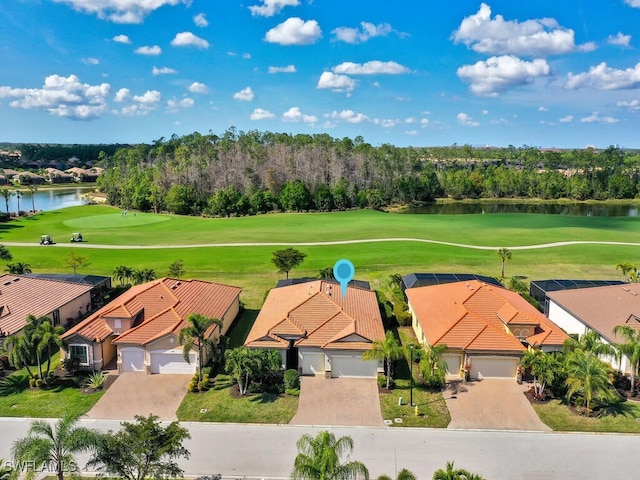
[(240, 173), (85, 153)]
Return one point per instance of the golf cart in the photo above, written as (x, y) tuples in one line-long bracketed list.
[(76, 237), (45, 240)]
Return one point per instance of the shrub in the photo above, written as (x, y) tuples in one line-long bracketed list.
[(95, 380), (294, 392), (205, 379), (193, 387), (434, 381), (291, 380), (382, 381), (206, 371), (32, 382), (202, 386), (71, 365), (39, 382)]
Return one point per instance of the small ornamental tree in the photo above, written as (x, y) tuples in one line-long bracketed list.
[(287, 259)]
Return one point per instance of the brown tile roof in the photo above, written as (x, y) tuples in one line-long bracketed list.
[(165, 304), (602, 308), (474, 316), (315, 314), (21, 296)]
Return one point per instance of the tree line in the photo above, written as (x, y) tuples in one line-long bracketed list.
[(240, 173)]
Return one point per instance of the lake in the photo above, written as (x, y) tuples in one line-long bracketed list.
[(47, 199), (580, 209)]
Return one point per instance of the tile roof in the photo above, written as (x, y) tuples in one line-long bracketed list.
[(474, 316), (602, 308), (21, 296), (316, 314), (164, 303)]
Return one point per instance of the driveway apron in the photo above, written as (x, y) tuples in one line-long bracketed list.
[(494, 404), (338, 401), (135, 393)]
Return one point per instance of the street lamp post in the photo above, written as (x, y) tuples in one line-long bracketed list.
[(411, 374)]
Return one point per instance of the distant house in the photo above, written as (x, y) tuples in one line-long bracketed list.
[(21, 296), (58, 176), (83, 174), (484, 326), (318, 331), (599, 309), (27, 178), (140, 328)]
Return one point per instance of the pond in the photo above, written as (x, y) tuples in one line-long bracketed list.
[(578, 209), (47, 199)]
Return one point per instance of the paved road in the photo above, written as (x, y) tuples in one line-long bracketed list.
[(315, 244), (238, 451)]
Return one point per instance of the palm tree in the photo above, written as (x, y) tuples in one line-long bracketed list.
[(403, 474), (18, 268), (432, 364), (587, 376), (195, 333), (544, 367), (6, 471), (388, 350), (504, 254), (589, 342), (6, 194), (630, 348), (20, 352), (451, 473), (18, 198), (5, 254), (122, 273), (626, 268), (56, 445), (47, 336), (33, 189), (319, 459), (240, 363)]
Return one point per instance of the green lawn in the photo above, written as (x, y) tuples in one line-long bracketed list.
[(622, 417), (432, 408), (222, 407)]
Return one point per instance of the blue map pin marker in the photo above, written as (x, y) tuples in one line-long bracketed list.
[(343, 271)]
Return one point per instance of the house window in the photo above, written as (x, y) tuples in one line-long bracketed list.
[(56, 317), (117, 323), (81, 352)]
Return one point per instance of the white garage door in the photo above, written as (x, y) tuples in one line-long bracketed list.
[(173, 362), (312, 363), (454, 362), (353, 366), (133, 360), (493, 367)]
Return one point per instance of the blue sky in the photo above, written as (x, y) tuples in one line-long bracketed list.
[(563, 73)]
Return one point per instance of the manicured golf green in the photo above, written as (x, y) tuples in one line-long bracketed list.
[(250, 266)]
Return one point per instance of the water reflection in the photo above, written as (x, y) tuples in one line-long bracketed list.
[(578, 209), (47, 199)]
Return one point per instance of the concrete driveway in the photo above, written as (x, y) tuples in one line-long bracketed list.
[(135, 393), (495, 404), (338, 401)]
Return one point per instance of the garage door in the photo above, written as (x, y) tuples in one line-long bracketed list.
[(173, 362), (133, 360), (454, 362), (312, 363), (353, 366), (493, 367)]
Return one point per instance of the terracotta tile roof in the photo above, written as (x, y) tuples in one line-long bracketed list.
[(602, 308), (21, 296), (315, 314), (473, 316), (164, 303)]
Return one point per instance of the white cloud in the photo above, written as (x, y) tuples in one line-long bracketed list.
[(294, 31), (122, 95), (287, 69), (295, 115), (174, 104), (619, 39), (261, 114), (163, 71), (349, 116), (245, 95), (466, 120), (336, 83), (150, 51), (631, 105), (150, 97), (360, 35), (121, 39), (411, 132), (538, 37), (424, 122), (602, 77), (188, 39), (120, 11), (201, 20), (197, 87), (596, 118), (633, 3), (246, 56), (370, 68), (386, 122), (270, 7), (496, 74), (543, 109), (90, 61), (566, 119), (142, 104), (499, 121), (62, 97)]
